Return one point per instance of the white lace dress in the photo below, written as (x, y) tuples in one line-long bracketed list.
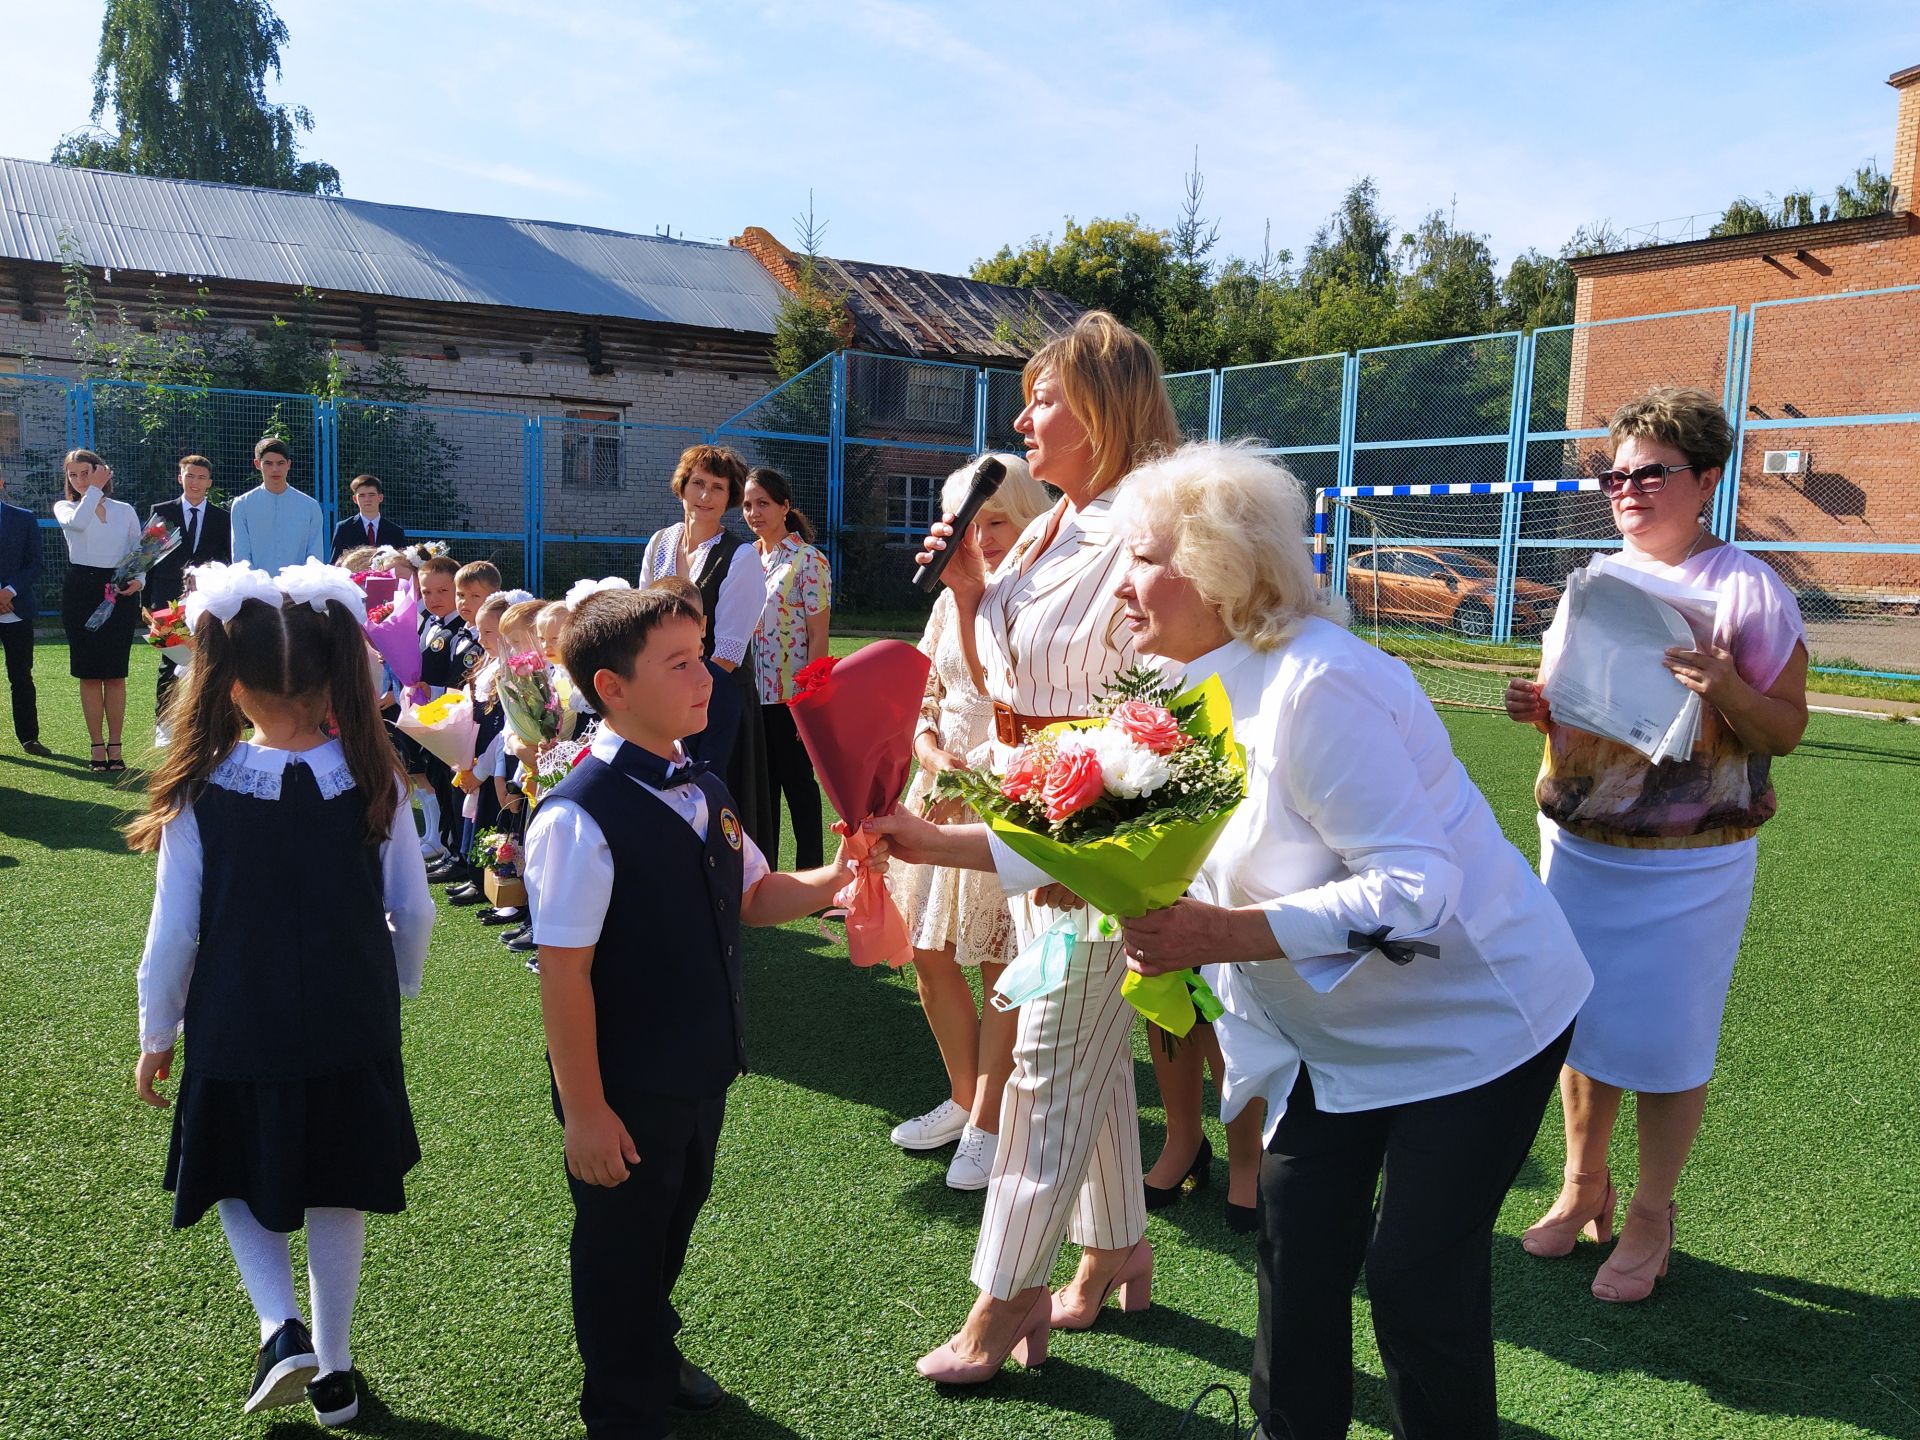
[(964, 907)]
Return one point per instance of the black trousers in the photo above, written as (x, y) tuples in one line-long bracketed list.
[(16, 639), (629, 1244), (790, 775), (1442, 1167), (163, 684)]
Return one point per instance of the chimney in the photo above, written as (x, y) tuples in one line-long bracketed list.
[(779, 262), (1906, 140)]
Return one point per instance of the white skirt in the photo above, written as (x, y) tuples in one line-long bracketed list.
[(1661, 929)]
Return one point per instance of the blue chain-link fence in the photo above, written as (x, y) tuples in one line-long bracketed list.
[(1825, 395)]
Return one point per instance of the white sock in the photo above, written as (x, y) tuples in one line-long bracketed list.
[(336, 1241), (265, 1267)]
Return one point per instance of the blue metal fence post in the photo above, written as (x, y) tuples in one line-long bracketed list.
[(82, 427), (1349, 423), (1216, 386), (533, 472), (980, 411), (836, 461), (1507, 558), (1724, 517)]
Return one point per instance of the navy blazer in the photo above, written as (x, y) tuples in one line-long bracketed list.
[(351, 533), (166, 580), (20, 557)]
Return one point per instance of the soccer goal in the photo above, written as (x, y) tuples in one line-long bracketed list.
[(1459, 581)]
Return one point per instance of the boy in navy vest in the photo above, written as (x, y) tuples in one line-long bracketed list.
[(640, 876)]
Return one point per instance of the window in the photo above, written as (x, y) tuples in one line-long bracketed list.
[(590, 450), (913, 504), (1422, 566), (938, 395)]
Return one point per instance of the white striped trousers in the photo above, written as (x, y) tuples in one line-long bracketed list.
[(1068, 1165)]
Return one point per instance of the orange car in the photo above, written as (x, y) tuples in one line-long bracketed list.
[(1432, 585)]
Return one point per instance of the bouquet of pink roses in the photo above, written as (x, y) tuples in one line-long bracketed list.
[(525, 688), (156, 542), (1122, 809)]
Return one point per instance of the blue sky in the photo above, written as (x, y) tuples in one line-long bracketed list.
[(931, 133)]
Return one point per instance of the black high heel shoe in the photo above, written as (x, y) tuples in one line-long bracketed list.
[(115, 765), (1200, 1173), (98, 763)]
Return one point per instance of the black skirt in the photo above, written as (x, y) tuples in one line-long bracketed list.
[(96, 654), (290, 1146)]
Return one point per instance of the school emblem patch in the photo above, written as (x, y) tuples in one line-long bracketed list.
[(730, 828), (439, 642)]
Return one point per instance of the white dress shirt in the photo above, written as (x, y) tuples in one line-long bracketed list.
[(173, 931), (743, 590), (570, 866), (1358, 816), (102, 544)]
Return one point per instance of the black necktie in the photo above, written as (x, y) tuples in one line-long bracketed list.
[(193, 527), (650, 770)]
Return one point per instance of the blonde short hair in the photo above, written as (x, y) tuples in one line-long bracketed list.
[(1020, 497), (1691, 421), (1238, 522), (1111, 380)]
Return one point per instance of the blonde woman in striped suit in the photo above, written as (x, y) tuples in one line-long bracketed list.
[(1050, 636)]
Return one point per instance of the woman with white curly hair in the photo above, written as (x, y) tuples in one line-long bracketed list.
[(1398, 985)]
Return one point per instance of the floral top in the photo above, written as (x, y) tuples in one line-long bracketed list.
[(799, 585), (1610, 793)]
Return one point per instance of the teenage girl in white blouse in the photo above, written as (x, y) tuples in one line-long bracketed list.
[(100, 533)]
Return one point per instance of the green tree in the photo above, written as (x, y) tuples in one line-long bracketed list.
[(1870, 193), (186, 80), (1446, 284), (1184, 327), (1539, 290), (1117, 265)]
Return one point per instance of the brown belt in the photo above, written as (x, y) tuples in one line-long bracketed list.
[(1012, 728)]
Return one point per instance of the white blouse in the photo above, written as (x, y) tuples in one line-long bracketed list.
[(570, 865), (102, 544), (1358, 816), (1052, 637), (173, 931), (743, 591)]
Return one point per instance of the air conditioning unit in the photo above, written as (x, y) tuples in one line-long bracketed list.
[(1783, 462)]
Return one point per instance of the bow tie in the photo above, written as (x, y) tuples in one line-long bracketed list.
[(650, 770), (1400, 952)]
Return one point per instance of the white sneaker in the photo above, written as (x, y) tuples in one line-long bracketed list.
[(972, 1160), (939, 1126)]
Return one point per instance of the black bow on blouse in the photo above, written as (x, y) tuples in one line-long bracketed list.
[(1400, 952)]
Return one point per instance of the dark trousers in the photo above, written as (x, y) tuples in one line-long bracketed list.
[(163, 684), (629, 1244), (16, 639), (790, 774), (1442, 1167), (440, 777), (715, 743)]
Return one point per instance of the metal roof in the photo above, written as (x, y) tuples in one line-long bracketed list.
[(934, 316), (237, 232)]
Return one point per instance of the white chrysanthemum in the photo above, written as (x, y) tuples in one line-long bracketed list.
[(1127, 768)]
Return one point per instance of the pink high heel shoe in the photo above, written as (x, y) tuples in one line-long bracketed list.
[(1134, 1281), (946, 1366), (1551, 1239), (1626, 1287)]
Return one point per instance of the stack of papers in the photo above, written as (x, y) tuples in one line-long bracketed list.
[(1609, 678)]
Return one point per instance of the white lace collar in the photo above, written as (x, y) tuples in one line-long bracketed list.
[(255, 770)]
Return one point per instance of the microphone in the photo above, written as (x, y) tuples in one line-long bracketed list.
[(987, 476)]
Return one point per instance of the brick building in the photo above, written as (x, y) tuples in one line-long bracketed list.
[(1853, 354)]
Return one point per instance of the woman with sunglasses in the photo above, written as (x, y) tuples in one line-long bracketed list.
[(1654, 864)]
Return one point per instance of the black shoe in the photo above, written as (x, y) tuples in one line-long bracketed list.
[(442, 870), (522, 945), (335, 1398), (458, 873), (698, 1390), (1243, 1219), (284, 1366), (467, 894), (1200, 1172), (512, 916), (519, 932), (34, 747)]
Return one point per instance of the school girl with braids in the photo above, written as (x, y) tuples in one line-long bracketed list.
[(290, 915)]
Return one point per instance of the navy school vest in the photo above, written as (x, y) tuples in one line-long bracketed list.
[(669, 1010)]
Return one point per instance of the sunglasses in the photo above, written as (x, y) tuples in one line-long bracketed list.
[(1648, 479)]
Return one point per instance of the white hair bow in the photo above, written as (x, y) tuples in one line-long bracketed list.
[(581, 589), (517, 597), (314, 582), (220, 590)]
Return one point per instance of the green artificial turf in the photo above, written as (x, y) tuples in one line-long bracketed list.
[(827, 1259)]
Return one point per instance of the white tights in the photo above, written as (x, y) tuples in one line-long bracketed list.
[(336, 1241), (429, 804)]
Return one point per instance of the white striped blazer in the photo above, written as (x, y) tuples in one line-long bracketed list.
[(1052, 638)]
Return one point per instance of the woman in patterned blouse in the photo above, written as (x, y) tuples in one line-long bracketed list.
[(793, 632)]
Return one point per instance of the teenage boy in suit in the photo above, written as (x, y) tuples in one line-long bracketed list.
[(641, 876), (369, 527), (206, 533), (19, 568)]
